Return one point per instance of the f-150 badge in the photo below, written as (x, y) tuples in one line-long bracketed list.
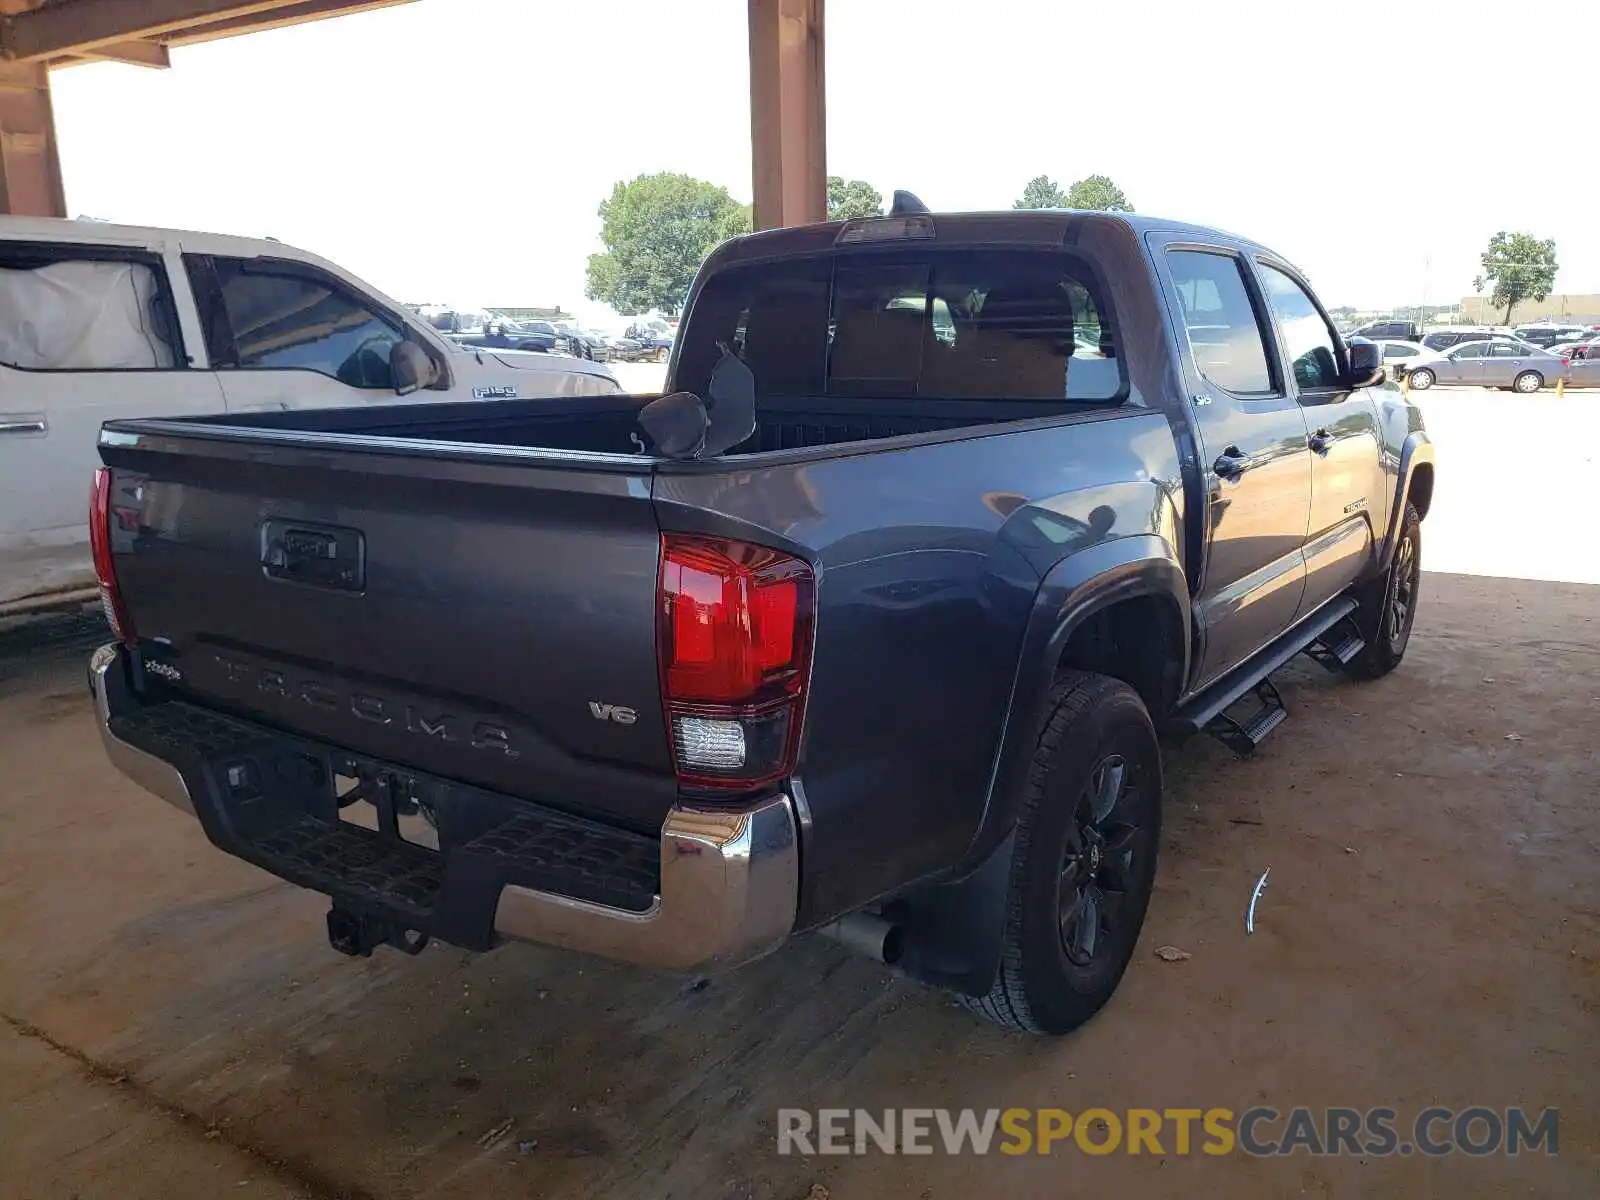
[(506, 392)]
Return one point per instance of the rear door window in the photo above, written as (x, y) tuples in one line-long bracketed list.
[(1225, 337), (948, 325), (80, 308)]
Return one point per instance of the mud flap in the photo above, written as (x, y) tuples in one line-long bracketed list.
[(954, 931)]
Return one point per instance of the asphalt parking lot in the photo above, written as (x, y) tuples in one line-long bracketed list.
[(173, 1024)]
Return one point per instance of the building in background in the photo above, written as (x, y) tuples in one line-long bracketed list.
[(1582, 310)]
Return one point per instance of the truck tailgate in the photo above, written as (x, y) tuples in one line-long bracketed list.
[(489, 619)]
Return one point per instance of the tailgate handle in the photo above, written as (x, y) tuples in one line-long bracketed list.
[(329, 556)]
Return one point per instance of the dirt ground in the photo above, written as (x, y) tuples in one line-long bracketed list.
[(173, 1024)]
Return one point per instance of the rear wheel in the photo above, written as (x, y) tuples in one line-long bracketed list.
[(1388, 604), (1528, 381), (1421, 379), (1083, 862)]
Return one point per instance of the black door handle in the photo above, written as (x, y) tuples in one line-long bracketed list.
[(1231, 463), (1320, 442)]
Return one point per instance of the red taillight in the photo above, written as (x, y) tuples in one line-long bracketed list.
[(734, 642), (100, 549)]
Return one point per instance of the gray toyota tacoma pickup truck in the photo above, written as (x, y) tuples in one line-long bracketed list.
[(869, 628)]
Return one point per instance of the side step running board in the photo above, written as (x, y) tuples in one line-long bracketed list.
[(1242, 737), (1201, 713), (1335, 648)]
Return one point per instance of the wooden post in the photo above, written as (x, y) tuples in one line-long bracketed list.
[(30, 171), (788, 141)]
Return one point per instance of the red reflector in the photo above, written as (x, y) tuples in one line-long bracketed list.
[(734, 643), (100, 551)]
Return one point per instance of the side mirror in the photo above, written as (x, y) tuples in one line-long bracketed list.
[(412, 368), (1366, 363)]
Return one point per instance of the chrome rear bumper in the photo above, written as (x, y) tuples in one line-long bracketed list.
[(729, 881), (108, 682)]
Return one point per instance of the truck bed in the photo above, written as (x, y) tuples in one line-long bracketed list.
[(609, 424)]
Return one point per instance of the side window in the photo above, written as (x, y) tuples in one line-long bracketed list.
[(1392, 351), (1506, 350), (73, 308), (1313, 354), (1471, 350), (1225, 337), (285, 320)]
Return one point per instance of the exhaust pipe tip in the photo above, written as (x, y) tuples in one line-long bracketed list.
[(869, 934)]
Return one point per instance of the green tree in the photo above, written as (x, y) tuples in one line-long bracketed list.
[(853, 198), (657, 230), (1042, 192), (1520, 266), (1097, 192)]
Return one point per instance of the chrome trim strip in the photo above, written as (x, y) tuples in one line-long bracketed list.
[(108, 684)]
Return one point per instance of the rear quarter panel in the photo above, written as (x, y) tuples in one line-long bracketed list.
[(929, 560)]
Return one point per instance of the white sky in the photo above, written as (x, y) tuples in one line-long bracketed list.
[(456, 150)]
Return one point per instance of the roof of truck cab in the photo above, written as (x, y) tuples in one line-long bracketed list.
[(1023, 226)]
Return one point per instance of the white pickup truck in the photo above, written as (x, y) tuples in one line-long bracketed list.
[(105, 321)]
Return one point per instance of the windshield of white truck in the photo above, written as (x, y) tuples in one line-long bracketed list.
[(949, 325)]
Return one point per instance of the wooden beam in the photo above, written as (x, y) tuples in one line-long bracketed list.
[(77, 25), (297, 13), (788, 125), (138, 54)]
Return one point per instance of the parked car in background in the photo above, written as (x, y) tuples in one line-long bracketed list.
[(1545, 336), (101, 321), (581, 342), (862, 632), (1585, 372), (627, 349), (1404, 331), (1443, 339), (502, 333), (1396, 353), (1499, 362), (1586, 348), (656, 340), (451, 321)]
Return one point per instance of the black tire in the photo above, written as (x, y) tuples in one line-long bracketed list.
[(1422, 379), (1388, 604), (1527, 382), (1064, 952)]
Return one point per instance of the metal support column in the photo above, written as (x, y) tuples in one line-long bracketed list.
[(787, 112)]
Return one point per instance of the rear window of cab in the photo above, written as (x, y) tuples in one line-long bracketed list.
[(936, 324)]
